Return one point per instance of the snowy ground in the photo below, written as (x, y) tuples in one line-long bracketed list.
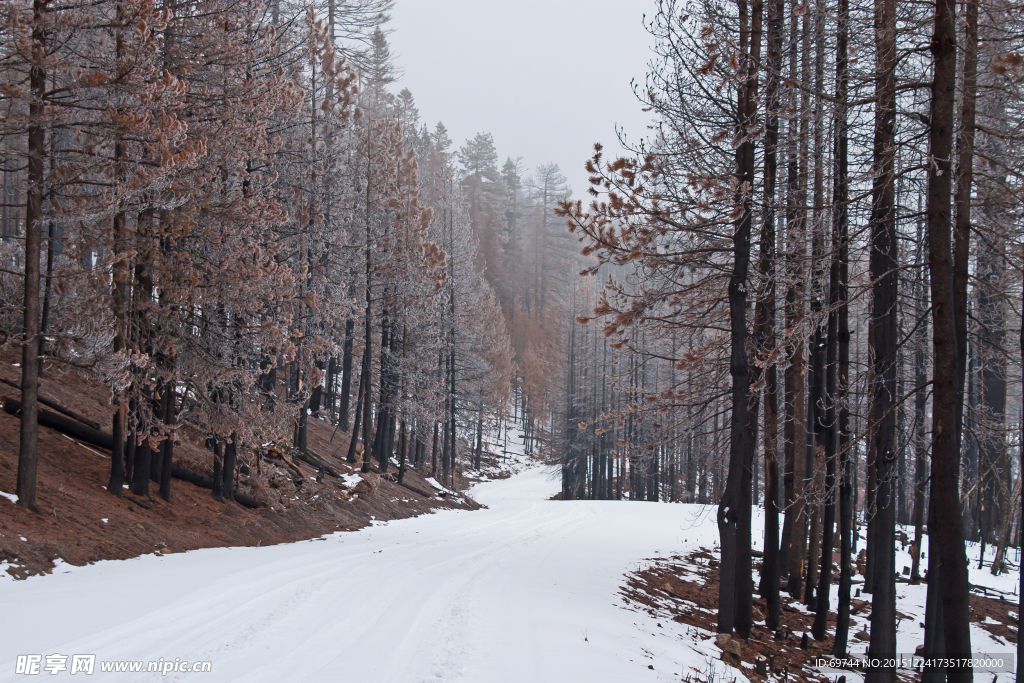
[(910, 600), (525, 590), (522, 591)]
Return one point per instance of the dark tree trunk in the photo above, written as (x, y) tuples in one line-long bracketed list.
[(817, 407), (735, 602), (794, 544), (218, 469), (45, 318), (402, 453), (129, 446), (365, 380), (830, 435), (1020, 597), (170, 418), (117, 464), (353, 440), (346, 374), (883, 263), (143, 463), (28, 453), (302, 428), (367, 395), (765, 327), (964, 185), (61, 423), (945, 411), (920, 406), (934, 624), (479, 437), (227, 486), (329, 394), (380, 447), (156, 455), (841, 242), (433, 452)]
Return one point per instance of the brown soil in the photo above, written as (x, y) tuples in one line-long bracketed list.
[(685, 589), (73, 500), (664, 593), (998, 610)]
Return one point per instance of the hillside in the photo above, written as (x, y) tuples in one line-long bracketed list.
[(82, 523)]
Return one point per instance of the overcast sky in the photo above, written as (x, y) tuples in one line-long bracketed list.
[(548, 78)]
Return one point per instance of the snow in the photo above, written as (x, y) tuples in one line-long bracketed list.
[(10, 496), (433, 482), (525, 590), (910, 600), (350, 479)]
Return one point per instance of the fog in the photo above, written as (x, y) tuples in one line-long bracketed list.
[(547, 78)]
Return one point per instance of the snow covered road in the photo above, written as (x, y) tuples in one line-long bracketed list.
[(524, 591)]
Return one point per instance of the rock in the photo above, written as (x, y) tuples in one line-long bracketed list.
[(727, 645)]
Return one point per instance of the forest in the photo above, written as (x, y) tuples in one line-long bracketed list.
[(223, 212), (807, 295), (800, 291)]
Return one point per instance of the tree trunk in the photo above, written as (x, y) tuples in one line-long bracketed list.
[(227, 486), (380, 448), (346, 374), (734, 511), (28, 454), (920, 406), (934, 626), (402, 453), (170, 409), (329, 393), (433, 452), (218, 469), (129, 445), (795, 541), (765, 323), (367, 387), (819, 352), (830, 436), (945, 444), (1020, 597), (883, 263), (143, 463), (353, 440), (840, 234)]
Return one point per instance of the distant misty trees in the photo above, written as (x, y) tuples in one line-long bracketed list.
[(223, 212)]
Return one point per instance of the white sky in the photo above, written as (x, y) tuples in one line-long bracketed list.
[(547, 78)]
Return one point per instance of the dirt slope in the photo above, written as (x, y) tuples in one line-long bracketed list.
[(82, 523)]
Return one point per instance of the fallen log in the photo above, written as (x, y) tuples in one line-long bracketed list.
[(203, 481), (64, 425), (95, 437), (57, 406), (416, 490), (312, 458)]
